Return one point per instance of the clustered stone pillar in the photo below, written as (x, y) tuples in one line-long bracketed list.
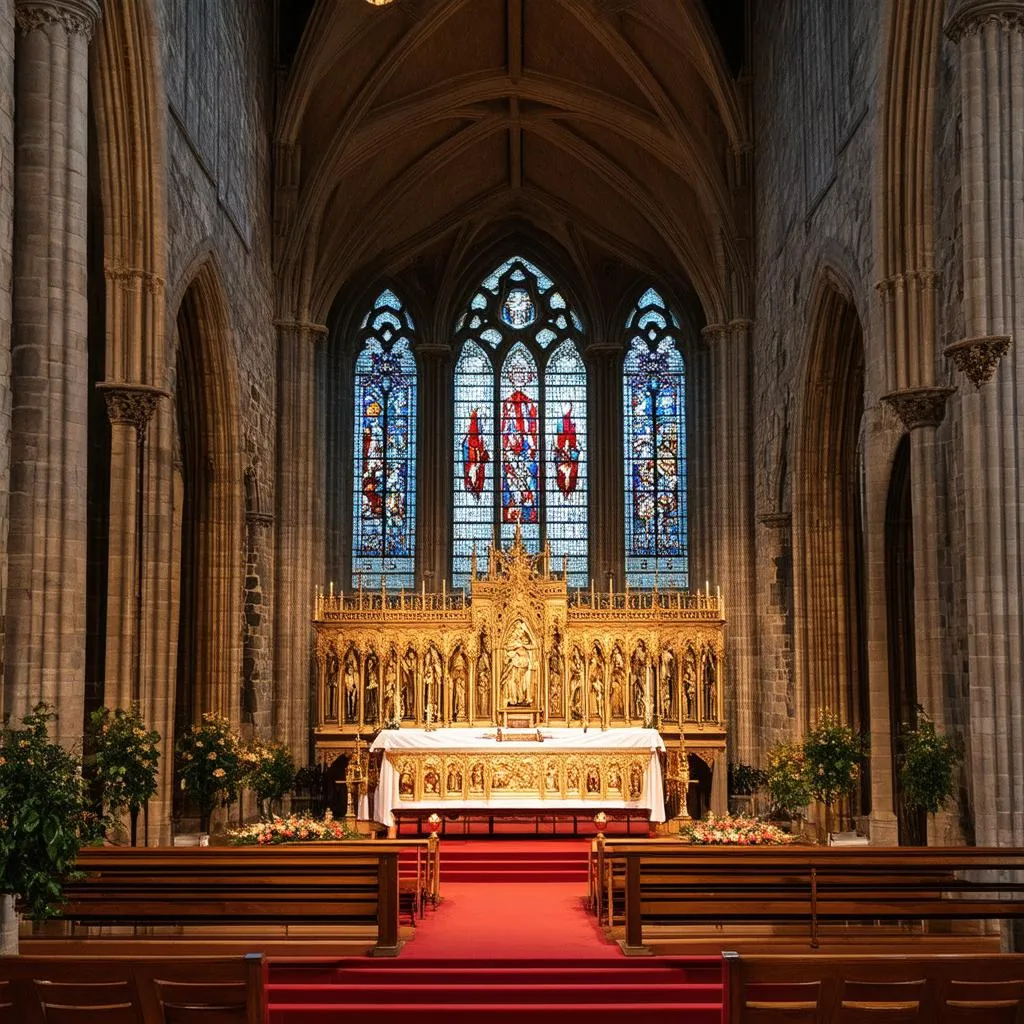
[(435, 463), (732, 506), (990, 36), (293, 603), (605, 469), (49, 373)]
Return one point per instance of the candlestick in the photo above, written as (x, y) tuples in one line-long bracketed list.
[(332, 588)]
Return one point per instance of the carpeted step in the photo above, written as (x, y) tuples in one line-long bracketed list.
[(503, 992), (499, 1013), (607, 973)]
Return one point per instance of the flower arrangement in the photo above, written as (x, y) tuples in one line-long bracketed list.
[(293, 829), (209, 765), (124, 760), (44, 816), (268, 769), (726, 830)]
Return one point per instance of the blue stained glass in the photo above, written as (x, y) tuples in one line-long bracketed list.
[(565, 405), (654, 420), (384, 487), (387, 298), (518, 309), (556, 301), (492, 336), (545, 336), (473, 477)]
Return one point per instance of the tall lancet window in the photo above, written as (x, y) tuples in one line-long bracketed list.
[(384, 492), (654, 419), (520, 458)]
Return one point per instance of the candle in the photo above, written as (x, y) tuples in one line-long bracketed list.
[(332, 588)]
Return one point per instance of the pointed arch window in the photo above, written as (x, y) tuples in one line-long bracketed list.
[(654, 421), (520, 399), (384, 491)]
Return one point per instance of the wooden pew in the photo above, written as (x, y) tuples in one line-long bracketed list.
[(132, 990), (352, 885), (671, 883), (821, 989)]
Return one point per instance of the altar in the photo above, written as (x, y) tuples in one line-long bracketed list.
[(540, 770)]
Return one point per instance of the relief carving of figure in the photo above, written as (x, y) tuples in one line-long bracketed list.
[(710, 694), (476, 776), (690, 685), (459, 683), (666, 683), (618, 684), (483, 680), (372, 691), (555, 675), (576, 686), (517, 668), (454, 780), (639, 687), (332, 688), (597, 688), (636, 782), (409, 684), (432, 683), (351, 687), (392, 695)]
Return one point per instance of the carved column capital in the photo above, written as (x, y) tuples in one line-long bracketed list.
[(978, 357), (919, 407), (131, 404), (969, 17), (78, 17)]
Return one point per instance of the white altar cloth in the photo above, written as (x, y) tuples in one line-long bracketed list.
[(387, 796)]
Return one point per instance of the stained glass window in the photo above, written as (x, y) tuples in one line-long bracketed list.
[(384, 491), (520, 457), (654, 420)]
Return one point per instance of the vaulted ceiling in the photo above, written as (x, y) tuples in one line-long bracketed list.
[(417, 132)]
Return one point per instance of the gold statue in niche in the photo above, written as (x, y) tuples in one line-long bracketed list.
[(517, 668)]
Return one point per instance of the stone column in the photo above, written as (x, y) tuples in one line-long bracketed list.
[(49, 372), (130, 407), (296, 574), (990, 37), (733, 511), (435, 457), (921, 411), (604, 409)]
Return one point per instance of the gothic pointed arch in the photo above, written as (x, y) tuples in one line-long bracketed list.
[(654, 446), (520, 422), (211, 479), (827, 526)]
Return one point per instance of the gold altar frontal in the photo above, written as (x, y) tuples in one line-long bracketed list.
[(522, 648)]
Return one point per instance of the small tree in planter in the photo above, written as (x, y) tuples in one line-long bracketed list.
[(44, 821), (209, 765), (788, 785), (928, 765), (745, 781), (269, 771), (833, 752), (124, 761)]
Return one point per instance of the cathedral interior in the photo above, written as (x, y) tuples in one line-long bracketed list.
[(315, 310)]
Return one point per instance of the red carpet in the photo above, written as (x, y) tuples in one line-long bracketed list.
[(501, 861), (519, 948)]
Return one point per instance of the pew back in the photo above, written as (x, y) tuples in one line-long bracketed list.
[(132, 990), (823, 989)]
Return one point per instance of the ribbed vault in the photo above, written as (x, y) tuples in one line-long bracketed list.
[(612, 126)]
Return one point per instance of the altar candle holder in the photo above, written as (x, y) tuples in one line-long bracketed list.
[(601, 821), (434, 823)]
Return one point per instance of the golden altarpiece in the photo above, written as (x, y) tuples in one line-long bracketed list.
[(521, 651)]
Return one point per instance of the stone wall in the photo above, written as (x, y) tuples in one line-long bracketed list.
[(219, 82), (815, 129), (6, 230)]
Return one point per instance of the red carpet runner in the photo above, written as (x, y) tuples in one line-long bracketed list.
[(521, 947)]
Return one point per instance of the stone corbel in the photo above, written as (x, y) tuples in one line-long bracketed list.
[(919, 407), (978, 357)]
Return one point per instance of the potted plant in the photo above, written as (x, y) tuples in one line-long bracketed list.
[(833, 753), (209, 766), (269, 771), (44, 821), (124, 761), (745, 781), (927, 767), (787, 783)]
